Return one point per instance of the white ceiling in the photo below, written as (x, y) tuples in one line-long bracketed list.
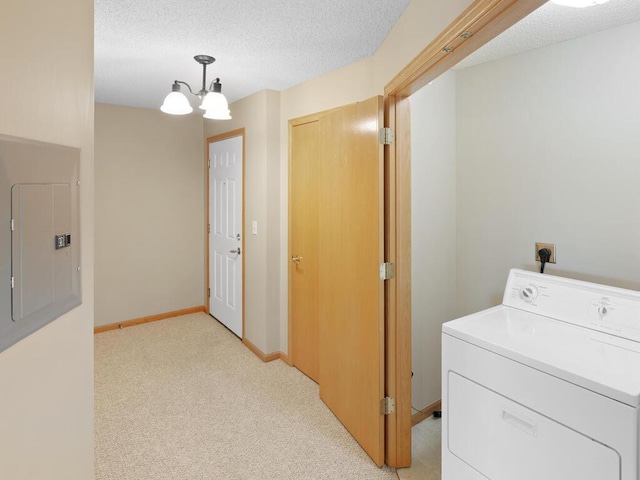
[(142, 46), (552, 24)]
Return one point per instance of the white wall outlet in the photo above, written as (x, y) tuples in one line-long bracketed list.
[(550, 246), (254, 227)]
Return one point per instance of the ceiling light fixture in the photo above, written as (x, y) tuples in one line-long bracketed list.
[(214, 102), (579, 3)]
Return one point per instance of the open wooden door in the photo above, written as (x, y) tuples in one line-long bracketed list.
[(351, 249)]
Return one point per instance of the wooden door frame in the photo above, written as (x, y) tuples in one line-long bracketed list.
[(292, 124), (484, 19), (295, 122), (217, 138)]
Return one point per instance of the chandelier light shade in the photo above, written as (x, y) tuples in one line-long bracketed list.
[(176, 103), (213, 103), (579, 3)]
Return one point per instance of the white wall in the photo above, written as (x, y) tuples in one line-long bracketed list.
[(548, 150), (433, 230), (46, 380), (149, 213)]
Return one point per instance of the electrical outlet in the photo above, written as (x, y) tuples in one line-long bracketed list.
[(550, 246)]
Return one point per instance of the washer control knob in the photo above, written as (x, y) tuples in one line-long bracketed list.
[(603, 310), (529, 293)]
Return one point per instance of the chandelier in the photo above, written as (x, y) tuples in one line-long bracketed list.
[(213, 103)]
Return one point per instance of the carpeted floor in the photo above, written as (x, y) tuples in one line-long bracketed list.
[(425, 451), (183, 399)]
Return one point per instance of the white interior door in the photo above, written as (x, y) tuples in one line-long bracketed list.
[(225, 233)]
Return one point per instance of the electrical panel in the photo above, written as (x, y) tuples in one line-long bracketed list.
[(39, 235)]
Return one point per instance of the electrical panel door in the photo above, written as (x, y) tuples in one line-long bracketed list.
[(39, 235), (40, 245)]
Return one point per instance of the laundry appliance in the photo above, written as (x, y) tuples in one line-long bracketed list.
[(545, 386)]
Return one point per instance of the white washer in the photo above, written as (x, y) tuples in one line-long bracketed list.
[(545, 386)]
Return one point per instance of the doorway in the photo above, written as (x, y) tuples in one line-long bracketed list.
[(225, 235), (482, 21)]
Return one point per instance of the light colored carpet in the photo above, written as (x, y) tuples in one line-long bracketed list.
[(183, 399), (425, 452)]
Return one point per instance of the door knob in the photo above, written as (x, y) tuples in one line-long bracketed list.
[(296, 260), (237, 250)]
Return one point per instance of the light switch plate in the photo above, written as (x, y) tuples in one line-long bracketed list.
[(254, 227)]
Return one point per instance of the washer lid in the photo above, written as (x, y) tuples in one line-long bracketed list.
[(606, 364)]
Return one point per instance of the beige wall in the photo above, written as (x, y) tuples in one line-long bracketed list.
[(422, 21), (266, 294), (265, 117), (274, 188), (149, 213), (46, 93), (347, 85), (258, 114)]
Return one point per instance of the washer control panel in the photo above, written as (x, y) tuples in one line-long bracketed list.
[(607, 309), (529, 293)]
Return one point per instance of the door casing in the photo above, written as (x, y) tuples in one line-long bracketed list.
[(216, 138), (313, 118), (484, 19)]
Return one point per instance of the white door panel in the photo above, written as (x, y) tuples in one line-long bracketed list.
[(225, 238)]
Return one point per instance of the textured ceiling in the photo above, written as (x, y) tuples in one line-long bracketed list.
[(551, 24), (142, 46)]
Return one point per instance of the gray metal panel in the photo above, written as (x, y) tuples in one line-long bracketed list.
[(42, 273), (40, 180), (32, 249)]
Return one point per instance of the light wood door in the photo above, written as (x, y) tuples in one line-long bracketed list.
[(303, 265), (351, 248), (225, 220)]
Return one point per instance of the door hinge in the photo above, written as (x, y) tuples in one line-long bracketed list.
[(208, 163), (387, 406), (387, 270), (209, 228), (209, 291), (12, 282), (386, 136), (12, 225)]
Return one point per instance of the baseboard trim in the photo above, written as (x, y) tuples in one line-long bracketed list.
[(265, 357), (425, 413), (147, 319), (285, 358)]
